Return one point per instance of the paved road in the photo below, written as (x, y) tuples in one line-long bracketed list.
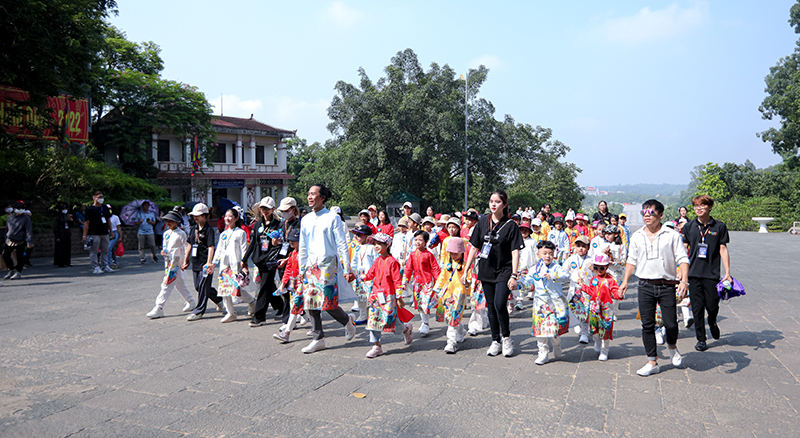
[(79, 358)]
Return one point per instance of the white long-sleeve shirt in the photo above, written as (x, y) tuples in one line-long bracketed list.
[(174, 243), (657, 260), (363, 258), (322, 236), (399, 249), (527, 256), (231, 246)]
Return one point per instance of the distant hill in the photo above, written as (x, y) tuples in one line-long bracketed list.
[(647, 189)]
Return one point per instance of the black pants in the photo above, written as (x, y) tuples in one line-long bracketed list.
[(287, 307), (62, 253), (704, 298), (650, 295), (20, 249), (204, 291), (496, 306), (316, 320), (265, 295)]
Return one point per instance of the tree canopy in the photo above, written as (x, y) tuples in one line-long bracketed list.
[(405, 131)]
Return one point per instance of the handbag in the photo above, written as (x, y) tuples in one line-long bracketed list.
[(735, 289), (120, 251)]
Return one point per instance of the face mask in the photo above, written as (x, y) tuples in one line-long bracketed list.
[(19, 211), (101, 200), (64, 211), (9, 210)]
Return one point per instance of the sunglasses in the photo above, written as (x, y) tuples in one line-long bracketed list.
[(648, 212), (600, 268)]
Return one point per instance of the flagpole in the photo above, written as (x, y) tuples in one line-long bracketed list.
[(466, 141)]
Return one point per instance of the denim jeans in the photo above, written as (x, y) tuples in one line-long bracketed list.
[(112, 245)]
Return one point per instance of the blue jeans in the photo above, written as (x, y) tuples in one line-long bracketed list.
[(112, 258)]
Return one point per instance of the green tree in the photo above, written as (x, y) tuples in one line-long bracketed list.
[(710, 183), (406, 132)]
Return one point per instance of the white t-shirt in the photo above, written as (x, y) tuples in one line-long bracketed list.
[(115, 222)]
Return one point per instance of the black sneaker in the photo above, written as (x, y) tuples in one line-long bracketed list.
[(142, 261), (155, 259), (701, 346), (714, 329), (257, 323)]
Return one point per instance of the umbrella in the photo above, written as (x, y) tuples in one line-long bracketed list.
[(128, 213), (226, 204)]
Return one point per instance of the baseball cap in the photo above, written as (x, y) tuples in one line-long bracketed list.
[(525, 225), (623, 215), (364, 211), (536, 222), (268, 202), (372, 207), (172, 216), (472, 215), (199, 209), (600, 260), (408, 204), (294, 235), (583, 239), (287, 203), (362, 229), (383, 238)]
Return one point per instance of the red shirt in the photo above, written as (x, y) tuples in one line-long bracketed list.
[(371, 227), (422, 265), (292, 268), (386, 229), (386, 273), (602, 289)]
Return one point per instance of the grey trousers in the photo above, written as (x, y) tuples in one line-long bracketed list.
[(316, 320), (99, 243), (151, 240)]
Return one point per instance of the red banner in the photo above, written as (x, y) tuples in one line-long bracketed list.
[(71, 116)]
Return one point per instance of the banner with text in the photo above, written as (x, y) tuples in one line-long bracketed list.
[(71, 116)]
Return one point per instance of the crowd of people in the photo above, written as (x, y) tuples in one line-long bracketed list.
[(439, 266)]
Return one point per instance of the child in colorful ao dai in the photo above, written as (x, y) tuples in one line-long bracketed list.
[(452, 294), (293, 283), (422, 266), (174, 251), (603, 290), (550, 314)]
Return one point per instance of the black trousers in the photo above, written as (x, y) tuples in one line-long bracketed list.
[(20, 249), (704, 299), (265, 294), (316, 320), (497, 309), (664, 295), (204, 291), (62, 253)]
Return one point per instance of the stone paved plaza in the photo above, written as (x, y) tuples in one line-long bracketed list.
[(79, 358)]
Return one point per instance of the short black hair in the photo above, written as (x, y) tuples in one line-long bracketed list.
[(422, 233), (654, 204), (546, 244), (323, 191)]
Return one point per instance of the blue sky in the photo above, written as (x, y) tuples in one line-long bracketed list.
[(640, 91)]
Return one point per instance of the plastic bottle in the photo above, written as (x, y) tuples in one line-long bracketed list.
[(205, 271), (726, 284)]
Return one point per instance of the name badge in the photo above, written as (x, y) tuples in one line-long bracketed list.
[(487, 246), (66, 226), (381, 298), (702, 250), (284, 248), (194, 250), (103, 219), (264, 243)]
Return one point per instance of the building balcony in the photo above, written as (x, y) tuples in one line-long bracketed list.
[(173, 167)]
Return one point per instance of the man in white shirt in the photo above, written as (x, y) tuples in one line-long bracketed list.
[(323, 245), (654, 255)]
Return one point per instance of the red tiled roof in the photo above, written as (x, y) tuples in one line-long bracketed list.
[(248, 124)]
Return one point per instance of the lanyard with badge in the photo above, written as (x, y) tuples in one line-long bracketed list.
[(102, 218), (196, 241), (380, 292), (702, 247), (491, 238)]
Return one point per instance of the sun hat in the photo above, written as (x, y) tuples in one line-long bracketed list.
[(199, 209), (456, 245), (383, 238), (443, 219), (268, 202), (416, 218), (403, 222), (454, 221), (611, 229), (429, 219), (172, 216)]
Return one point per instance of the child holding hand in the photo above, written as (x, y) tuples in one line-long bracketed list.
[(452, 294), (422, 266), (603, 290), (293, 284), (174, 251)]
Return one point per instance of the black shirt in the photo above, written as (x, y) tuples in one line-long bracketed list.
[(602, 217), (204, 239), (261, 247), (716, 234), (504, 237), (96, 226)]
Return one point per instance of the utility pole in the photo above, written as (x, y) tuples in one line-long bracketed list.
[(466, 140)]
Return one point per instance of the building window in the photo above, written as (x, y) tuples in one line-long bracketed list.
[(259, 154), (163, 150), (219, 153)]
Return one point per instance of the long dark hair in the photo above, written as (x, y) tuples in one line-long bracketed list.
[(504, 198), (386, 220), (235, 214)]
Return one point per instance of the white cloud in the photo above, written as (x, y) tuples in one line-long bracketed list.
[(490, 61), (647, 25), (341, 14), (234, 106)]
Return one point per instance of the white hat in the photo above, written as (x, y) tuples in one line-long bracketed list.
[(536, 222), (364, 211), (429, 219), (408, 204), (199, 209), (570, 215), (527, 214), (372, 207), (335, 209), (268, 202), (287, 203)]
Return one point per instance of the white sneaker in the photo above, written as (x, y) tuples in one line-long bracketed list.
[(302, 321), (108, 269), (97, 270), (220, 309), (603, 356), (542, 358), (314, 346), (282, 337), (648, 369), (10, 274), (518, 306), (237, 300), (494, 349), (17, 276), (157, 312), (350, 328), (194, 317), (472, 331), (584, 339), (675, 357), (530, 296), (688, 322), (508, 347), (450, 348), (424, 329), (659, 337), (355, 307), (189, 306), (229, 317)]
